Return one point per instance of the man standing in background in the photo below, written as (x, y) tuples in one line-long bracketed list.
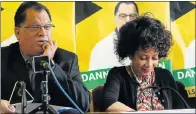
[(103, 55)]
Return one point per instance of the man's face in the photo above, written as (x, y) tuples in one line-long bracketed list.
[(126, 13), (31, 34)]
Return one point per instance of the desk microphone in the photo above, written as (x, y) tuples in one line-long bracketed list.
[(20, 85), (42, 63), (22, 93)]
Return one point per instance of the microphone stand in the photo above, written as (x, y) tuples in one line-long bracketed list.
[(45, 96), (23, 97), (42, 61)]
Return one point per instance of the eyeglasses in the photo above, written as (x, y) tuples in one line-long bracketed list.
[(36, 28), (124, 16)]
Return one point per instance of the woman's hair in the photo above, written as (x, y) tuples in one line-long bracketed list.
[(144, 32)]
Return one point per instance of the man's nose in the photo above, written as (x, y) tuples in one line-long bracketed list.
[(42, 31), (128, 19)]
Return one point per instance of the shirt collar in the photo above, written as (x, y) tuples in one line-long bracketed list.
[(26, 58)]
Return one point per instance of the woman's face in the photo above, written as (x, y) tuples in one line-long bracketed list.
[(144, 61)]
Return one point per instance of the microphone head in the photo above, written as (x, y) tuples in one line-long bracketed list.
[(41, 64), (21, 85), (44, 64)]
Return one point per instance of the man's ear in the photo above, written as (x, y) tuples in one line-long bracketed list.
[(115, 19), (17, 32)]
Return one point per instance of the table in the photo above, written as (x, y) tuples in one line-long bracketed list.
[(177, 111)]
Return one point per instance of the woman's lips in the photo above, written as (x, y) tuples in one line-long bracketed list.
[(147, 70)]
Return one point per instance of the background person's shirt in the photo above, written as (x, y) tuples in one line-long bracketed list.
[(103, 55)]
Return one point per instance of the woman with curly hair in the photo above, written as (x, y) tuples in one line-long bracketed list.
[(144, 41)]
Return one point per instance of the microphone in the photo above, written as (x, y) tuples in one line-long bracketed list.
[(44, 64), (21, 86), (40, 64), (19, 91)]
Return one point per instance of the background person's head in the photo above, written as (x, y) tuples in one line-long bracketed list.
[(144, 40), (32, 25), (124, 12)]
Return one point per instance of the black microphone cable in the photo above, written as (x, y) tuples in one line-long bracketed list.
[(166, 96), (168, 88)]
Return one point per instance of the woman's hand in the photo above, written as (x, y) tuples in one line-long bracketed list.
[(119, 107)]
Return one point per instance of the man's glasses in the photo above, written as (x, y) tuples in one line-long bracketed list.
[(124, 16), (36, 28)]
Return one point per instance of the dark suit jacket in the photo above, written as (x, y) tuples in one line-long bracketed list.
[(13, 68)]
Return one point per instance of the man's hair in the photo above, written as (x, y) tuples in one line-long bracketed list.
[(20, 14), (125, 2), (143, 33)]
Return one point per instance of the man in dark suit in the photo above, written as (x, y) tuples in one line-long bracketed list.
[(33, 31)]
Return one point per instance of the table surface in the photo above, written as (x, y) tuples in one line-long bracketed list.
[(32, 106), (185, 111)]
